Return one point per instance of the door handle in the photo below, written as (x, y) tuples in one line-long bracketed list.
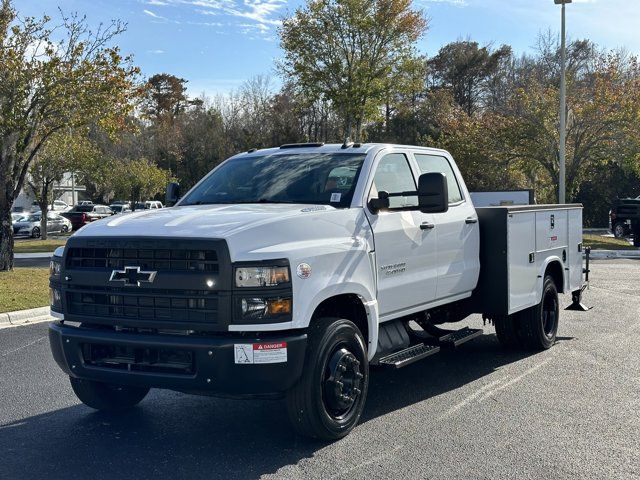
[(427, 226), (471, 220)]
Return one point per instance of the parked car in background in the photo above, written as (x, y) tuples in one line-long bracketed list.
[(80, 215), (622, 212), (56, 206), (120, 208), (149, 205), (29, 225), (85, 202)]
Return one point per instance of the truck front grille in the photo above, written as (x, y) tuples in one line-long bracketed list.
[(148, 360), (193, 306), (178, 260)]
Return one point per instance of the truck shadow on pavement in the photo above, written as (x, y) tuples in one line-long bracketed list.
[(171, 435)]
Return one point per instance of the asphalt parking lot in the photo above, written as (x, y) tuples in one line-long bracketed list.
[(480, 412)]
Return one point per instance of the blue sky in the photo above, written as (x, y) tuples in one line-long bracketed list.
[(217, 44)]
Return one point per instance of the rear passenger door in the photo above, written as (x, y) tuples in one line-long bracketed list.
[(458, 234), (405, 253)]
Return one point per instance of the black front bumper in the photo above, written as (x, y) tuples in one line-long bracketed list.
[(213, 372)]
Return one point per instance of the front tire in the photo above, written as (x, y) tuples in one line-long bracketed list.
[(329, 398), (539, 324), (35, 233), (107, 397)]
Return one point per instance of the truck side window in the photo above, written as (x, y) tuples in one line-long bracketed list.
[(435, 163), (394, 176)]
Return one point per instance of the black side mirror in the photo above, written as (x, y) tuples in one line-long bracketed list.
[(433, 194), (380, 203), (173, 194)]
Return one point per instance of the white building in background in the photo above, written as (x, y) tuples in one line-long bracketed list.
[(66, 190)]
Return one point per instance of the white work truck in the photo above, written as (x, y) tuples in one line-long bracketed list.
[(289, 271)]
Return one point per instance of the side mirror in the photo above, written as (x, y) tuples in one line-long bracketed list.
[(173, 194), (380, 203), (433, 194)]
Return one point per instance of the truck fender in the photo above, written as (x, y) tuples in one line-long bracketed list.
[(560, 270), (369, 303)]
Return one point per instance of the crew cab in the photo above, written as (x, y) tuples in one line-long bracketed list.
[(289, 271)]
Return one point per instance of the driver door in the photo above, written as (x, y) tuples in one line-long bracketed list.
[(405, 246)]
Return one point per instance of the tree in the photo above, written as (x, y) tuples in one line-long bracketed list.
[(64, 152), (463, 67), (349, 52), (165, 95), (48, 86), (138, 180), (603, 106)]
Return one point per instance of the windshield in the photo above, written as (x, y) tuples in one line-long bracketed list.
[(318, 178), (30, 218), (83, 208)]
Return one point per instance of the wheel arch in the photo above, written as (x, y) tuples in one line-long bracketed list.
[(352, 306), (554, 268)]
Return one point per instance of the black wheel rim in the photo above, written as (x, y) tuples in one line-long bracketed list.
[(549, 314), (341, 382)]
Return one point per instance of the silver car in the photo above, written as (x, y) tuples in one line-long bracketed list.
[(29, 224)]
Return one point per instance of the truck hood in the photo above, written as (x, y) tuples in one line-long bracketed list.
[(198, 221)]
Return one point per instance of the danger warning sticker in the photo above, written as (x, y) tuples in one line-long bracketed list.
[(256, 353)]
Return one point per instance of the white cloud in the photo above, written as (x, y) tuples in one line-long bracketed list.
[(457, 3), (261, 11), (264, 13), (156, 52), (153, 15), (159, 3)]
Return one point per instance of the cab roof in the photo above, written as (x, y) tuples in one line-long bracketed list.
[(333, 148)]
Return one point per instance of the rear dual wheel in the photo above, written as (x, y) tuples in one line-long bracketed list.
[(328, 400), (534, 328)]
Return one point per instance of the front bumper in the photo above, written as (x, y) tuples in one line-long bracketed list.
[(214, 369)]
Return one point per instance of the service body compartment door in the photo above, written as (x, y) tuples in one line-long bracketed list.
[(551, 230), (575, 250), (523, 275)]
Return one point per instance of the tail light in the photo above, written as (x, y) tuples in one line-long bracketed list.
[(612, 215), (83, 218)]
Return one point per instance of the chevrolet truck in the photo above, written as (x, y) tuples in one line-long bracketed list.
[(289, 271)]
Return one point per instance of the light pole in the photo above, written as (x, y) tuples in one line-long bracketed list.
[(563, 107)]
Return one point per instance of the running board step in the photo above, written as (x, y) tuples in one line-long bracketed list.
[(409, 355), (459, 337)]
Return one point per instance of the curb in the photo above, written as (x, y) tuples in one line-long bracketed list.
[(33, 255), (604, 254), (596, 231), (22, 317)]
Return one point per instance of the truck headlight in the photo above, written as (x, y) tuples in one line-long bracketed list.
[(257, 308), (258, 277), (55, 266), (55, 297)]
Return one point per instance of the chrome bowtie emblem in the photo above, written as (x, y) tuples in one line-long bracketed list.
[(132, 276)]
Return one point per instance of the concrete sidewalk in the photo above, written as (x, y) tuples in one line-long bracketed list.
[(23, 317), (21, 256), (604, 254)]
